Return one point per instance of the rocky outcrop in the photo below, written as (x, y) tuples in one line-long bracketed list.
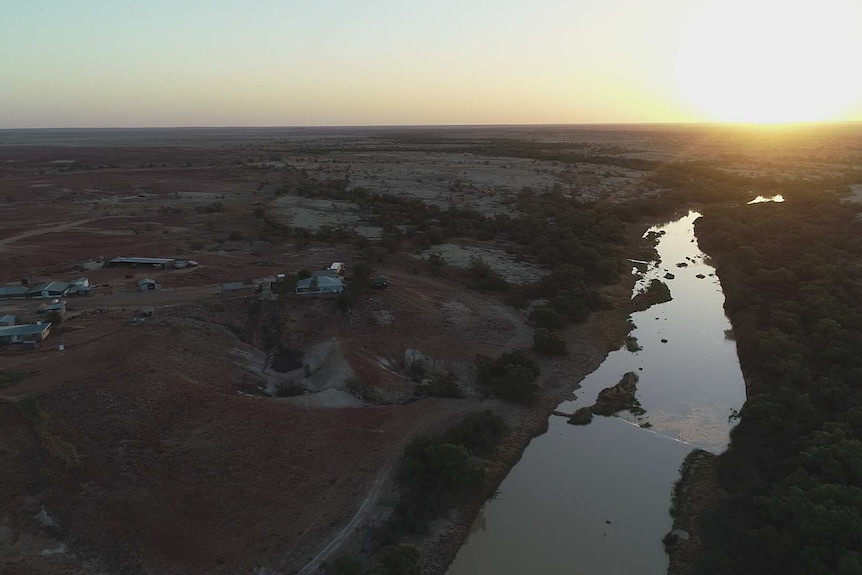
[(657, 292), (582, 416), (617, 398)]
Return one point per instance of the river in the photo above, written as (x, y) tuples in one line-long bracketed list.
[(594, 499)]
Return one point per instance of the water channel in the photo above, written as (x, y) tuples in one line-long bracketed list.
[(594, 499)]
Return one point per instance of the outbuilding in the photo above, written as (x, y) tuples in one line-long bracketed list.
[(8, 319), (158, 263), (49, 289), (21, 333), (319, 285), (148, 284)]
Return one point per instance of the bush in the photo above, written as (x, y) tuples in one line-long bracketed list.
[(443, 384), (483, 277), (510, 376), (546, 317), (480, 432), (549, 342)]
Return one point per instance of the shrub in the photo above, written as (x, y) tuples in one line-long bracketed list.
[(546, 317), (549, 342), (443, 384), (510, 376), (480, 432)]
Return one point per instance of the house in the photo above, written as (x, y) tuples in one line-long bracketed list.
[(8, 320), (158, 263), (11, 291), (232, 289), (320, 285), (49, 289), (148, 284), (22, 333), (338, 268)]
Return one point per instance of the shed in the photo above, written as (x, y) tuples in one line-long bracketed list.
[(148, 284), (81, 290), (22, 333), (7, 292), (319, 285), (49, 289), (337, 267), (163, 263), (8, 319)]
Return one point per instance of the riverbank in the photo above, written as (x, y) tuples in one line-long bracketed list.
[(697, 489), (590, 343)]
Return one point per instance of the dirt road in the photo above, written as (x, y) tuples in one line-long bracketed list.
[(49, 229)]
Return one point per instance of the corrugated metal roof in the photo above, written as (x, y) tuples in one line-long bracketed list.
[(322, 281), (144, 261), (13, 290), (8, 319), (31, 329), (235, 285)]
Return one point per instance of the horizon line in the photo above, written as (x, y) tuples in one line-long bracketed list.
[(476, 125)]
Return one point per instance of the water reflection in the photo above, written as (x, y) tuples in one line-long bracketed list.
[(594, 499), (761, 199)]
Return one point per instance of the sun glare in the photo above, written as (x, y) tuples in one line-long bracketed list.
[(766, 61)]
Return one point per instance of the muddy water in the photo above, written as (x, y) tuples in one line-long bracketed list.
[(594, 500)]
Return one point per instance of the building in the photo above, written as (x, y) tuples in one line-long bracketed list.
[(8, 320), (233, 289), (148, 284), (157, 263), (12, 291), (319, 285), (80, 286), (23, 333), (338, 268), (49, 289), (324, 273)]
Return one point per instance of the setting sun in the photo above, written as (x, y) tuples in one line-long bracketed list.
[(774, 61)]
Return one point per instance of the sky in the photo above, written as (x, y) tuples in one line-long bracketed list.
[(126, 63)]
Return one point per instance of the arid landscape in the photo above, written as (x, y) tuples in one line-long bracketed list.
[(200, 416)]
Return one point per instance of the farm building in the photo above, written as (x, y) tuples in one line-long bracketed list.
[(320, 285), (80, 286), (232, 289), (22, 333), (158, 263), (8, 320), (337, 267), (7, 292), (148, 284), (324, 273), (49, 289)]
